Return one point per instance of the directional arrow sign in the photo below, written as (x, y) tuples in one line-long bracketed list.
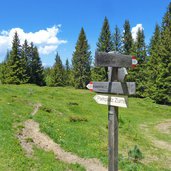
[(111, 100), (134, 61), (90, 86), (114, 60), (127, 88)]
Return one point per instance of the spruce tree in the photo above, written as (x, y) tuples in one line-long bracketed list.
[(117, 43), (164, 78), (58, 73), (81, 61), (13, 64), (127, 38), (4, 69), (140, 47), (37, 68), (105, 40), (139, 73), (67, 73), (24, 63), (47, 72), (154, 63), (104, 44)]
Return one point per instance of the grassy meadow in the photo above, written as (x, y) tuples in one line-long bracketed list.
[(75, 121)]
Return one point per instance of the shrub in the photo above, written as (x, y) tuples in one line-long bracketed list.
[(135, 154), (77, 119)]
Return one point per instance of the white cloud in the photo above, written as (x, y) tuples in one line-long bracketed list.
[(46, 40), (135, 30)]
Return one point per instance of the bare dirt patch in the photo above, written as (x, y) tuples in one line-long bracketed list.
[(31, 135), (161, 144), (164, 127), (36, 109)]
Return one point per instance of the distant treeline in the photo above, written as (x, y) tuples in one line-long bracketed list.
[(152, 75)]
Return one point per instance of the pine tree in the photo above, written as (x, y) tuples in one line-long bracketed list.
[(104, 44), (2, 72), (139, 73), (140, 47), (105, 40), (58, 75), (47, 72), (117, 40), (127, 38), (13, 64), (4, 69), (37, 68), (24, 63), (81, 61), (154, 62), (67, 73), (163, 94)]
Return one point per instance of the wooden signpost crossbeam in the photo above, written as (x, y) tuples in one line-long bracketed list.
[(126, 88), (113, 60), (115, 63)]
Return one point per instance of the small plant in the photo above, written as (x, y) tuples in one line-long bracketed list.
[(30, 91), (77, 119), (28, 140), (73, 104), (20, 126), (46, 109), (135, 154), (30, 116)]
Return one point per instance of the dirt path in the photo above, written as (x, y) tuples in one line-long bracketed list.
[(165, 127), (36, 108), (31, 135)]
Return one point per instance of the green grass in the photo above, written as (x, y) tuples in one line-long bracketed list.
[(74, 120)]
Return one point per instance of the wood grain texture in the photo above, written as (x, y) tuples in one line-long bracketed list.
[(112, 126), (124, 88), (112, 60)]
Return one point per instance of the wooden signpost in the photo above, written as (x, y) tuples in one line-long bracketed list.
[(113, 87), (113, 95), (111, 100)]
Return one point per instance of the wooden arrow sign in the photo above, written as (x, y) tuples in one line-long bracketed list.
[(127, 88), (111, 100), (114, 60)]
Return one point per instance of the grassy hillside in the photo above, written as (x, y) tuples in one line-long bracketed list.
[(74, 120)]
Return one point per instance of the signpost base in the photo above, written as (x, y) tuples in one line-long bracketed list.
[(113, 138)]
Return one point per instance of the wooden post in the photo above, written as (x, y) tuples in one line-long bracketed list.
[(113, 61), (113, 126)]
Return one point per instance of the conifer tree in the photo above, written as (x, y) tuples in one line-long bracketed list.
[(139, 73), (154, 62), (140, 47), (105, 40), (37, 76), (24, 63), (58, 75), (163, 94), (104, 44), (4, 69), (127, 38), (67, 73), (13, 64), (81, 61), (47, 72), (117, 40)]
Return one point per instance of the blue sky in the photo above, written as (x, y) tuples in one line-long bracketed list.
[(33, 18)]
